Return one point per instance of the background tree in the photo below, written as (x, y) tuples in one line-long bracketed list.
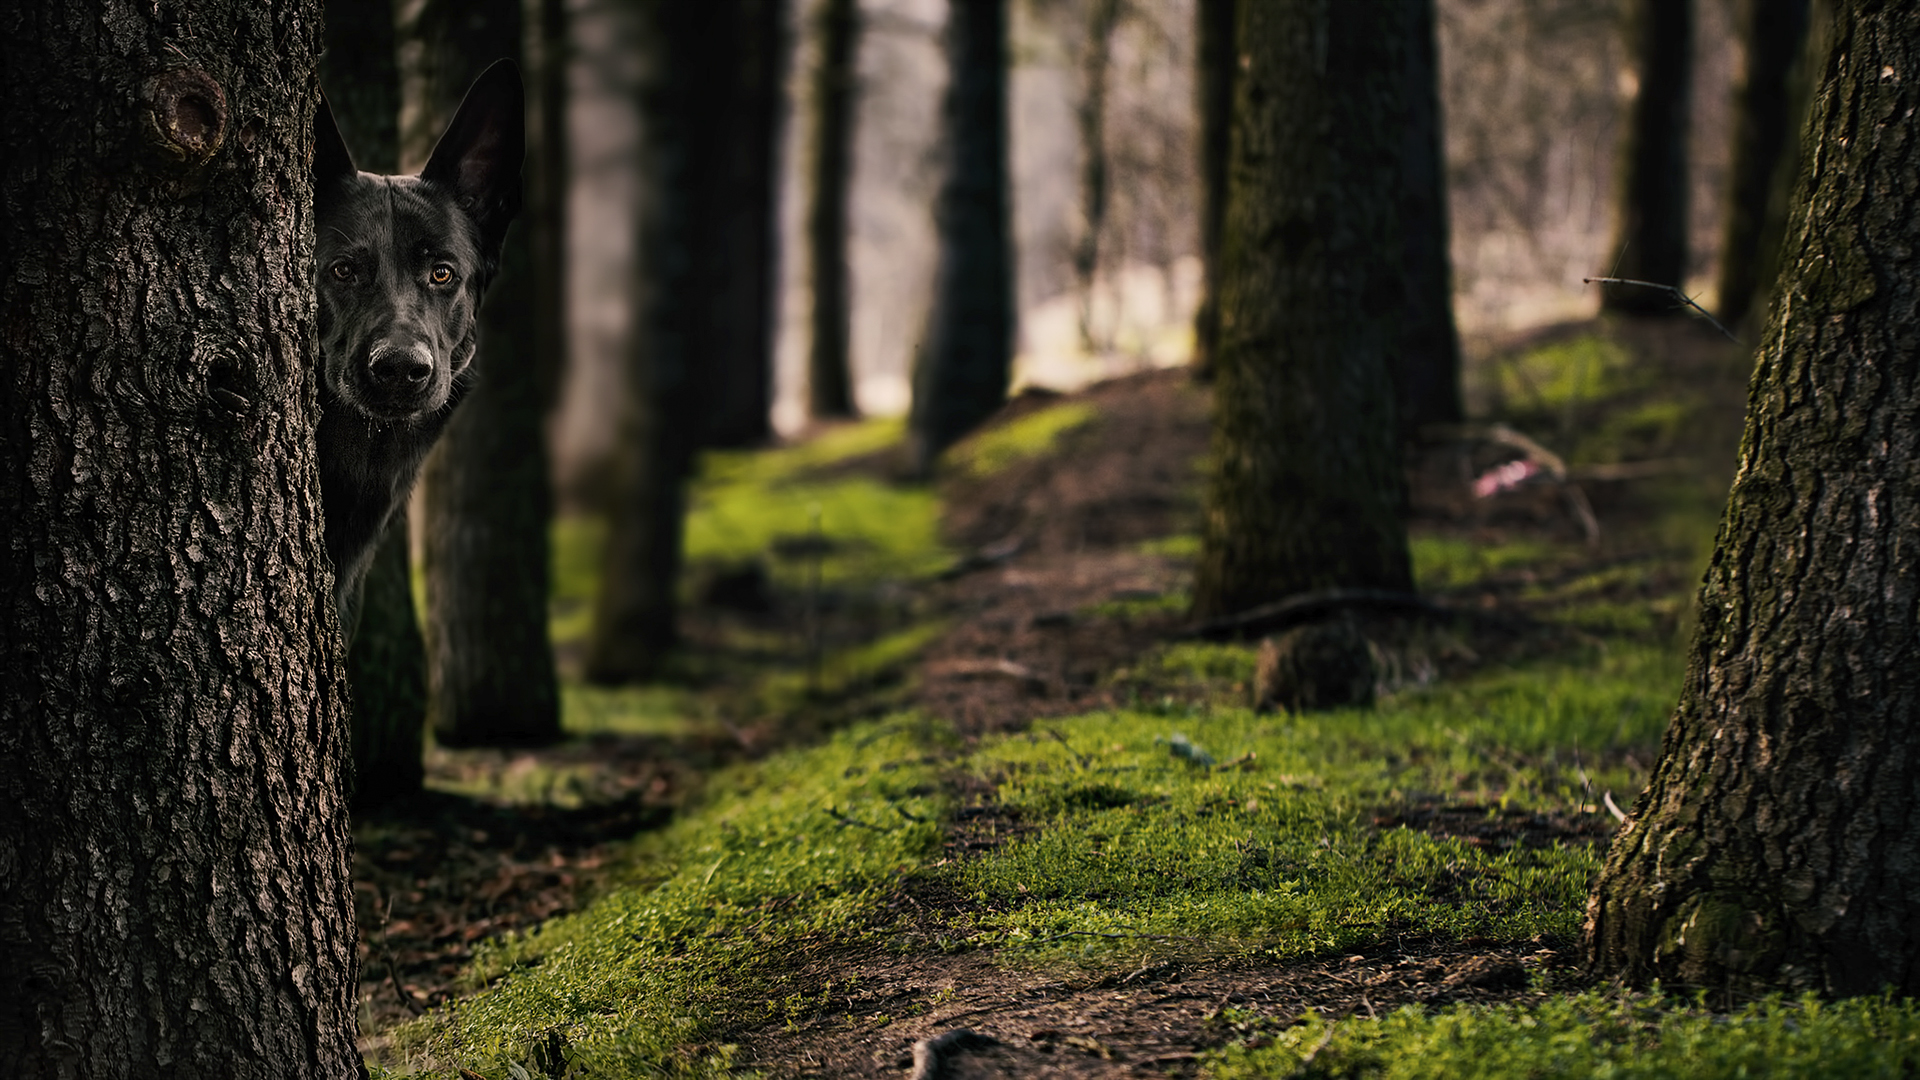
[(1765, 108), (1774, 848), (484, 497), (1103, 17), (387, 661), (1306, 490), (1215, 62), (961, 376), (739, 63), (830, 186), (174, 851), (633, 619), (1427, 364), (1651, 242)]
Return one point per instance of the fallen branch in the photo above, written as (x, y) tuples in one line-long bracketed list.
[(1308, 605), (1670, 290)]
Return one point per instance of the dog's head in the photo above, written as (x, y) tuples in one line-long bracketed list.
[(403, 261)]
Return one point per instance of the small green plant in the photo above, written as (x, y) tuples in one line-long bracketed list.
[(1033, 435)]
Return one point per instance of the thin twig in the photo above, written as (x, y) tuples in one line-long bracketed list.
[(1084, 760), (835, 814), (1670, 290), (1100, 933), (1612, 807)]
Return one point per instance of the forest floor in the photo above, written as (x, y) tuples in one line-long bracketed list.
[(1059, 590)]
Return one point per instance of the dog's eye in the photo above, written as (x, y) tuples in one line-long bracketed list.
[(441, 274), (341, 271)]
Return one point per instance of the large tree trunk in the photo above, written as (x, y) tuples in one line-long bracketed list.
[(387, 660), (1765, 109), (1774, 847), (1215, 61), (1427, 368), (634, 615), (1651, 242), (174, 851), (830, 187), (962, 372), (740, 51), (485, 503), (1307, 490)]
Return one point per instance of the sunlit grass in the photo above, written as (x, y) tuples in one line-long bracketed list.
[(987, 452)]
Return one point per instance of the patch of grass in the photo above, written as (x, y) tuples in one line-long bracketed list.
[(1032, 435), (1177, 546), (844, 671), (1450, 562), (1567, 374), (1595, 1035), (782, 858)]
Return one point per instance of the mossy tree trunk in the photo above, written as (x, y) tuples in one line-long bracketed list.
[(174, 850), (485, 502), (1427, 369), (1306, 490), (387, 660), (1774, 848), (961, 375), (829, 189), (1765, 109), (634, 615), (1651, 192), (740, 48), (1215, 60)]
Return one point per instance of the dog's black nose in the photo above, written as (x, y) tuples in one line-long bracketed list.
[(400, 369)]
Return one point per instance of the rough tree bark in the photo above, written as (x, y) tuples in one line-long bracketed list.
[(484, 501), (1765, 109), (1427, 364), (387, 660), (1306, 490), (1774, 847), (962, 372), (174, 850), (634, 615), (740, 48), (1651, 241), (830, 186), (1214, 56)]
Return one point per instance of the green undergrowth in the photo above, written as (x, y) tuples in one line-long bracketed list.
[(1640, 1037), (1033, 435), (781, 860)]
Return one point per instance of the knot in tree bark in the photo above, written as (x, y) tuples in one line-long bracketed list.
[(186, 116)]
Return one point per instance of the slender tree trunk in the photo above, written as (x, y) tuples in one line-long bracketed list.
[(1765, 109), (1102, 19), (634, 615), (174, 850), (1216, 60), (485, 503), (387, 660), (830, 175), (962, 374), (1428, 361), (1651, 244), (1774, 847), (735, 132), (1307, 490)]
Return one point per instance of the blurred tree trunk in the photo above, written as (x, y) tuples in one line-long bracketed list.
[(1774, 847), (1103, 17), (386, 660), (1307, 489), (1651, 244), (734, 195), (633, 619), (1428, 360), (174, 848), (484, 497), (1760, 175), (962, 371), (1213, 32), (830, 188)]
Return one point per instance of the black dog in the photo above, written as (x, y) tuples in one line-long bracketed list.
[(401, 265)]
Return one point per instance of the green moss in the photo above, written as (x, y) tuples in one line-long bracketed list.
[(1032, 435), (1590, 1035), (1567, 373), (1450, 562)]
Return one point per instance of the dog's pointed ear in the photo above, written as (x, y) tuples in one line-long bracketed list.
[(331, 161), (479, 156)]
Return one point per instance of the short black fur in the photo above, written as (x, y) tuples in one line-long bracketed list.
[(401, 265)]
